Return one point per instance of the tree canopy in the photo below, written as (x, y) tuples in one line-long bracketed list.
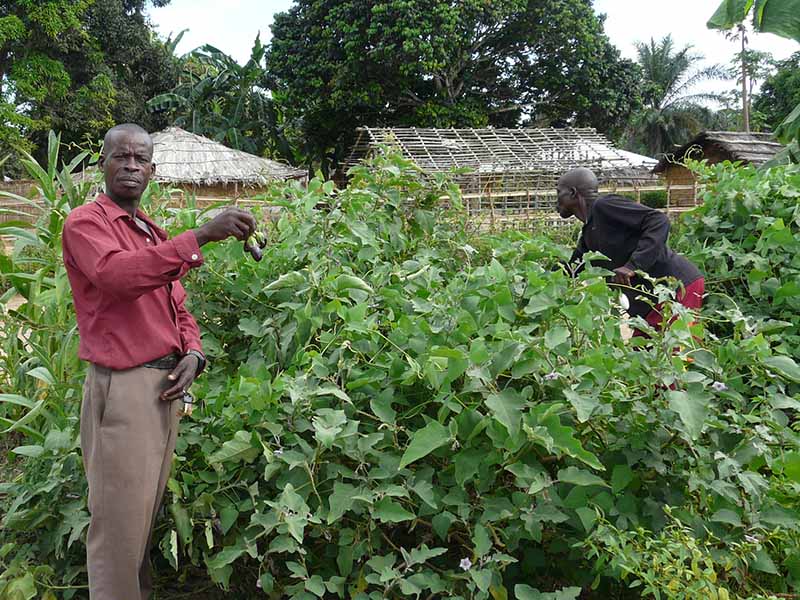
[(780, 92), (77, 66), (344, 63)]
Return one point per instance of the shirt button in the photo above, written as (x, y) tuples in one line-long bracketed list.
[(194, 256)]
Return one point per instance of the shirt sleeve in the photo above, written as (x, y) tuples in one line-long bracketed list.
[(580, 250), (189, 331), (649, 225), (126, 274)]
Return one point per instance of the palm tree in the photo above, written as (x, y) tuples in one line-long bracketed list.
[(672, 113)]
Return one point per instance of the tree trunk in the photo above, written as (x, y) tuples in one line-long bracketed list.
[(745, 96)]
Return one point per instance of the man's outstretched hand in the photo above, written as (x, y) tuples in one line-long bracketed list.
[(232, 222), (623, 275), (182, 377)]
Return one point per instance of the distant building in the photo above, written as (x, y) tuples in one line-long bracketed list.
[(512, 173), (714, 147)]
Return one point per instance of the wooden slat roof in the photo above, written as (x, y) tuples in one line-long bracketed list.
[(500, 150)]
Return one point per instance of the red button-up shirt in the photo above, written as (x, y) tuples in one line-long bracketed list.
[(128, 297)]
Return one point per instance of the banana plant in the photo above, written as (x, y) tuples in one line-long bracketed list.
[(781, 17)]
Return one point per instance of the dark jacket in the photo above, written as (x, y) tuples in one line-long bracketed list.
[(634, 236)]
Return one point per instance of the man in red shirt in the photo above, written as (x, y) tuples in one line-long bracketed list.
[(144, 351)]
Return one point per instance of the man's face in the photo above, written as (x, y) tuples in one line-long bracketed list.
[(566, 200), (127, 162)]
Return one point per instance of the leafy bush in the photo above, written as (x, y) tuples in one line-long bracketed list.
[(746, 237), (398, 407)]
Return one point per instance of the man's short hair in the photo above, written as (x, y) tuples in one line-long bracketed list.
[(127, 128)]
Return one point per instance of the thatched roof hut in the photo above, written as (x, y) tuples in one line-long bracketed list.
[(719, 146), (514, 171), (210, 169), (714, 147)]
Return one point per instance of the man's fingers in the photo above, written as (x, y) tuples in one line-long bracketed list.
[(182, 376)]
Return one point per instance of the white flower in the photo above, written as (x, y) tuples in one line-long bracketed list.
[(751, 539), (718, 386), (258, 583), (551, 376), (278, 451), (624, 302), (465, 564)]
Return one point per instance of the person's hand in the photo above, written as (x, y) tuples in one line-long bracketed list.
[(623, 275), (232, 222), (181, 378)]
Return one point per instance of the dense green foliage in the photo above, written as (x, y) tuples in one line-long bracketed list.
[(431, 63), (747, 233), (780, 92), (77, 66), (398, 407)]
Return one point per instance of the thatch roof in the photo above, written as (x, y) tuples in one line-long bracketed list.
[(492, 150), (753, 148), (186, 158)]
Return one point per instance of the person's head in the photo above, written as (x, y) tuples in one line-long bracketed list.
[(577, 189), (127, 161)]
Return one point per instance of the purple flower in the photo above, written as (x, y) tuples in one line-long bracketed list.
[(718, 386), (465, 564), (551, 376)]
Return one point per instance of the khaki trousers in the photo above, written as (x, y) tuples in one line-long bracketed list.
[(128, 437)]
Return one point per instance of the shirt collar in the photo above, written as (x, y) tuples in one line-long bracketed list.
[(114, 212)]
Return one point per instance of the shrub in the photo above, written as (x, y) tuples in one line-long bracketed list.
[(398, 407)]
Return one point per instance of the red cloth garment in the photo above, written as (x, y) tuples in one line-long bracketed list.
[(690, 296), (129, 301)]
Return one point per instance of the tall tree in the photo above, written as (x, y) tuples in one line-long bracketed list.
[(673, 112), (780, 92), (77, 66), (344, 63)]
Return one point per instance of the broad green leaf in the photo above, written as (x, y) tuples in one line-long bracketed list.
[(507, 408), (784, 366), (441, 524), (424, 441), (348, 282), (526, 592), (692, 409), (287, 280), (183, 524), (580, 477), (725, 515), (240, 448), (764, 563), (555, 337), (29, 451), (791, 466), (565, 441), (730, 13), (481, 541), (389, 511), (621, 476), (341, 500), (482, 578)]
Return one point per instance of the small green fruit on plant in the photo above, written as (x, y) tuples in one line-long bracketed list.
[(255, 244)]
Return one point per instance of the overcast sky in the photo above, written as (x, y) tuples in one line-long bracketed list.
[(232, 26)]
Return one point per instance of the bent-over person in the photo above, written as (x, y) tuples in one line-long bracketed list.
[(144, 351), (634, 238)]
